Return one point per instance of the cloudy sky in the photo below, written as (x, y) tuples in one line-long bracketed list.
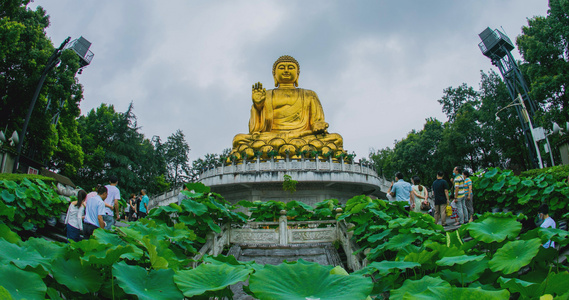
[(378, 67)]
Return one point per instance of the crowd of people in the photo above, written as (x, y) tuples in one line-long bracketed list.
[(457, 204), (100, 209)]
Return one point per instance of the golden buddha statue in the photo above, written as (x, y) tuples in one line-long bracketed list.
[(286, 120)]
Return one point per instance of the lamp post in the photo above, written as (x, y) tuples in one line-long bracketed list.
[(519, 102), (51, 62)]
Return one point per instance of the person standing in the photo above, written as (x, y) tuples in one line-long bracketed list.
[(440, 190), (131, 206), (419, 194), (94, 212), (469, 197), (459, 193), (74, 217), (143, 209), (547, 222), (401, 189), (181, 195), (112, 202)]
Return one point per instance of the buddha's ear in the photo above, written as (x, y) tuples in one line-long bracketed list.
[(276, 82), (296, 82)]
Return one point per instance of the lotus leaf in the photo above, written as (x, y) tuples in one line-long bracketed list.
[(106, 257), (557, 235), (494, 229), (76, 276), (198, 187), (209, 277), (443, 250), (414, 287), (21, 284), (8, 235), (379, 236), (194, 207), (514, 255), (46, 249), (156, 284), (10, 184), (424, 257), (458, 293), (4, 294), (401, 222), (7, 196), (7, 211), (400, 241), (385, 267), (304, 280), (462, 259), (19, 256), (525, 288)]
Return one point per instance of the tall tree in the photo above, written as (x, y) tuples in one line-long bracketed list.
[(24, 50), (177, 152), (544, 45)]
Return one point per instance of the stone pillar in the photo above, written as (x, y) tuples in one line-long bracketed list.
[(283, 228)]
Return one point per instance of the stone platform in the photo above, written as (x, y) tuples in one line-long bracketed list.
[(318, 180)]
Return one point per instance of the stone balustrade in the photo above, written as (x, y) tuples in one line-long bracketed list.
[(285, 232)]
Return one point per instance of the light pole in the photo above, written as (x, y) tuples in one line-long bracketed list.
[(519, 101), (51, 62)]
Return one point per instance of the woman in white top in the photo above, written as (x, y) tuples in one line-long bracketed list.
[(74, 217), (419, 194)]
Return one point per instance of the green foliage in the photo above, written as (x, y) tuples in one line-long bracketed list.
[(210, 278), (501, 188), (202, 212), (559, 173), (270, 210), (296, 280), (176, 153), (19, 177), (24, 52), (29, 203), (289, 184)]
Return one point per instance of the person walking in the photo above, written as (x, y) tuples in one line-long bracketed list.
[(419, 194), (182, 196), (401, 189), (459, 193), (94, 212), (112, 202), (547, 222), (469, 197), (143, 209), (74, 217), (440, 191)]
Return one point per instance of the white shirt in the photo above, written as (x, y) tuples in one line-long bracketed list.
[(95, 207), (74, 215), (112, 194), (549, 222)]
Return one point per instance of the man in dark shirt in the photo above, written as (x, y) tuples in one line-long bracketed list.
[(440, 190)]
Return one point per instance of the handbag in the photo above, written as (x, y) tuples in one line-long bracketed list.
[(425, 206), (449, 211)]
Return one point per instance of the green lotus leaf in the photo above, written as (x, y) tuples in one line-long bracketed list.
[(7, 211), (198, 187), (305, 280), (491, 173), (156, 284), (549, 189), (460, 260), (9, 235), (424, 257), (7, 196), (27, 225), (46, 249), (108, 256), (401, 222), (76, 276), (423, 231), (474, 269), (52, 294), (156, 260), (400, 241), (441, 292), (33, 193), (514, 255), (379, 236), (557, 235), (385, 267), (443, 250), (526, 289), (194, 207), (414, 287), (494, 229), (21, 284), (4, 294), (89, 245), (209, 277), (107, 237), (188, 220), (21, 192), (10, 184), (498, 185), (19, 256)]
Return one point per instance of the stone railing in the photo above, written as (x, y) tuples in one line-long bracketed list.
[(165, 198), (259, 165), (285, 232)]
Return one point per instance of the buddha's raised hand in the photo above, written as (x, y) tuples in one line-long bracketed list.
[(259, 93)]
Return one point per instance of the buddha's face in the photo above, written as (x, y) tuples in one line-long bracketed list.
[(286, 73)]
